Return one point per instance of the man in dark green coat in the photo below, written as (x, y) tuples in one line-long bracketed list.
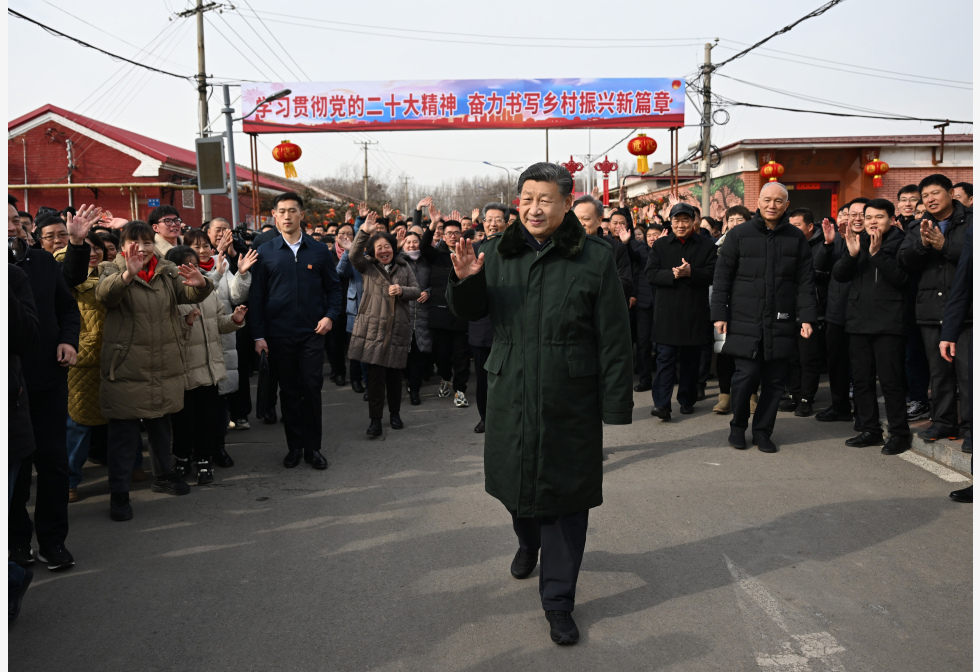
[(560, 366)]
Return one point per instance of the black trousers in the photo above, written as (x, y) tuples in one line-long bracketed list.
[(749, 373), (195, 432), (645, 347), (838, 368), (416, 366), (948, 381), (452, 354), (803, 377), (480, 355), (726, 368), (380, 380), (49, 415), (668, 358), (240, 401), (881, 356), (125, 443), (704, 365), (337, 342), (916, 366), (561, 540), (297, 362)]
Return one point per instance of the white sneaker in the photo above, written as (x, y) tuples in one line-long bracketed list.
[(460, 400), (445, 389)]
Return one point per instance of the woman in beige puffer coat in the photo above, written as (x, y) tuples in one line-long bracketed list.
[(196, 424), (382, 335)]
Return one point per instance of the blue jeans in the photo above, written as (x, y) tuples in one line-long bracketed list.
[(15, 573), (78, 439)]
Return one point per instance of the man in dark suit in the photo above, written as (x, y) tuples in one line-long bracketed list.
[(295, 300), (681, 265)]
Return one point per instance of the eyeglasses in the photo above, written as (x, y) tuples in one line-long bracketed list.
[(55, 236), (171, 222)]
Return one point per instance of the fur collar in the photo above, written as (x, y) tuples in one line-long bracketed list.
[(568, 239)]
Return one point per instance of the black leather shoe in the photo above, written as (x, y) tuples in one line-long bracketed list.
[(642, 387), (736, 439), (896, 445), (701, 393), (291, 461), (414, 398), (765, 444), (662, 413), (964, 496), (270, 417), (222, 458), (341, 381), (804, 409), (119, 507), (315, 459), (865, 439), (374, 429), (357, 386), (524, 563), (833, 415), (396, 421), (481, 427), (563, 628), (366, 398), (687, 410)]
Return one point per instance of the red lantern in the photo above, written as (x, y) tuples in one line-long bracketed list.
[(772, 170), (286, 152), (876, 169), (676, 84), (641, 146)]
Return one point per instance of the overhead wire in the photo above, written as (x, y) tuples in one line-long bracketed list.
[(298, 67), (235, 47), (843, 114), (117, 57)]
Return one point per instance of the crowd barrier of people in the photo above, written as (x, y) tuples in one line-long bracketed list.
[(120, 330)]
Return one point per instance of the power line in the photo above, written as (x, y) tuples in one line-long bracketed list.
[(817, 12), (267, 44), (86, 44), (856, 72), (458, 34), (850, 65), (843, 114), (240, 52)]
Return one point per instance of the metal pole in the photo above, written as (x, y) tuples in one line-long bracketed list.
[(706, 135), (546, 146), (202, 90), (71, 194), (232, 167)]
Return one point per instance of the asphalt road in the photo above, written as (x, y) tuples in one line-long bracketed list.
[(820, 557)]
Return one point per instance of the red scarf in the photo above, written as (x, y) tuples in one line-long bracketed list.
[(207, 265), (147, 272)]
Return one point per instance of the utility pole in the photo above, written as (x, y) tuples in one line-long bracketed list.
[(405, 179), (706, 134), (202, 86), (366, 144)]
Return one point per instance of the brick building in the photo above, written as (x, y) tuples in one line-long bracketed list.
[(145, 172), (823, 173)]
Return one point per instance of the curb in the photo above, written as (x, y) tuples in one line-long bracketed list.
[(947, 453)]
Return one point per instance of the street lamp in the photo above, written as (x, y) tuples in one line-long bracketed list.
[(506, 170), (227, 110)]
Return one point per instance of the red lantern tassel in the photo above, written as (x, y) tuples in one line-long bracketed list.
[(290, 170), (878, 181)]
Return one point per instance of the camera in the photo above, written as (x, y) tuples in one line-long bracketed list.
[(17, 248)]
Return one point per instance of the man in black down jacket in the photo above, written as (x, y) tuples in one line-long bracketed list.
[(763, 285), (931, 251), (682, 265), (46, 374), (876, 319)]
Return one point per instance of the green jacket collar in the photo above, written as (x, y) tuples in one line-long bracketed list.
[(568, 239)]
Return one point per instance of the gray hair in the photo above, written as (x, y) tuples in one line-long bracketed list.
[(594, 202), (776, 184), (547, 172), (494, 206)]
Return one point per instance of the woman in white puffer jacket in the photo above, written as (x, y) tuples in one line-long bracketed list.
[(232, 290)]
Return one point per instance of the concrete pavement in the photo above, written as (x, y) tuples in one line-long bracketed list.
[(820, 557)]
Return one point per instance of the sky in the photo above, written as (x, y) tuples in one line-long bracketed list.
[(861, 57)]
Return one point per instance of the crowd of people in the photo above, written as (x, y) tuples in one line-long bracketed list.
[(120, 329)]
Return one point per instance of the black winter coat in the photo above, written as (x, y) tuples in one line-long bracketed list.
[(960, 303), (22, 338), (440, 266), (623, 266), (763, 288), (836, 310), (681, 315), (876, 301), (935, 268), (58, 317), (481, 331), (821, 271), (642, 289)]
